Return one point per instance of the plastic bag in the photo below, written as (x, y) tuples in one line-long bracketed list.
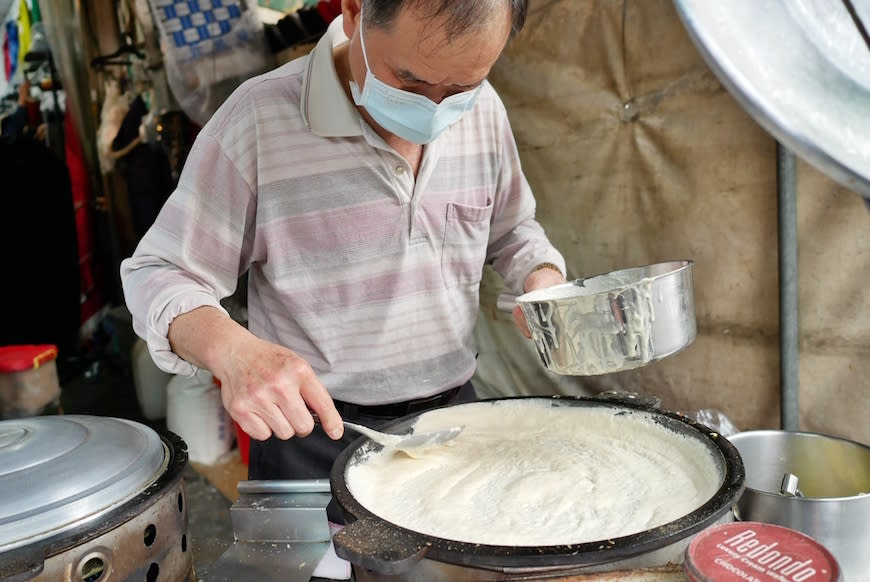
[(115, 107), (709, 417), (209, 47), (716, 420)]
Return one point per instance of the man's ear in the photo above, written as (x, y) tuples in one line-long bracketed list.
[(350, 12)]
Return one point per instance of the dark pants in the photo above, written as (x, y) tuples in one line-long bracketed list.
[(311, 457)]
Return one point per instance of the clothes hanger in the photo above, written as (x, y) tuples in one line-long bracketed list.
[(126, 48)]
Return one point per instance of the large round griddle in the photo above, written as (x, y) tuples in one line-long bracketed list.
[(382, 546), (801, 69)]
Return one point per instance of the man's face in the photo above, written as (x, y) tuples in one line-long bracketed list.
[(414, 54)]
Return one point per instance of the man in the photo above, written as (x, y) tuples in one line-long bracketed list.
[(362, 188)]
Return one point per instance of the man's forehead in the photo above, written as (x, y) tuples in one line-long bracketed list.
[(431, 38), (435, 27)]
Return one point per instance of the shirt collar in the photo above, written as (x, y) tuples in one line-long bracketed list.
[(325, 106)]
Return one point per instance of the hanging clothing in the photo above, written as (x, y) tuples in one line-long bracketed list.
[(37, 231), (93, 287), (145, 168), (305, 25), (14, 124), (35, 12), (23, 32), (10, 49)]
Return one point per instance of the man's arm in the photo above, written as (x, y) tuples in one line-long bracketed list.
[(266, 388), (184, 265)]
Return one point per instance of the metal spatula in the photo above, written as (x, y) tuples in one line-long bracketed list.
[(407, 442)]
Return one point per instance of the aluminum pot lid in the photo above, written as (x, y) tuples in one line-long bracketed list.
[(60, 472), (801, 69)]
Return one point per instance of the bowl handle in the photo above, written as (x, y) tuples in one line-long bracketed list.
[(506, 302)]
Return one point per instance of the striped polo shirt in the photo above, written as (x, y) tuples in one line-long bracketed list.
[(369, 273)]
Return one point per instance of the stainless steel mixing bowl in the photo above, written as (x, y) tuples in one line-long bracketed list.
[(612, 322)]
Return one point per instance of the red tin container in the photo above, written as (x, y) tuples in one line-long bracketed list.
[(747, 551)]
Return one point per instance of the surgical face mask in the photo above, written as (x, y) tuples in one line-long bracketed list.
[(410, 116)]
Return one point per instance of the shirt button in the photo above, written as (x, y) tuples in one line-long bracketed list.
[(400, 170)]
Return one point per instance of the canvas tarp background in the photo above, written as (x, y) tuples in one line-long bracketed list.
[(637, 154)]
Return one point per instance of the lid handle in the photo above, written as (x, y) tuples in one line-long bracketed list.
[(377, 545)]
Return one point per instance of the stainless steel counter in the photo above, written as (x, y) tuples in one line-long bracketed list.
[(279, 532)]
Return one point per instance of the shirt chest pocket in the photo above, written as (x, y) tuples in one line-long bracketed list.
[(466, 235)]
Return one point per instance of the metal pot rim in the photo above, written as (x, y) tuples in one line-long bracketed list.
[(600, 551), (800, 434), (640, 273)]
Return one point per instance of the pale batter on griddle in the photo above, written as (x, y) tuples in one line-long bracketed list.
[(525, 474)]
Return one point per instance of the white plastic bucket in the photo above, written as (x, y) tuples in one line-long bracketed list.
[(195, 413), (150, 382)]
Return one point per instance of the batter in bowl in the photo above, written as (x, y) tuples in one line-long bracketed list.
[(526, 473)]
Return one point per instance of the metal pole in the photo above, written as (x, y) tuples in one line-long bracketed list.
[(786, 174)]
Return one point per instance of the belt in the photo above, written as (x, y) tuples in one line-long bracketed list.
[(396, 409)]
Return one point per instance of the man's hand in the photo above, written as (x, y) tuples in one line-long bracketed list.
[(537, 279), (268, 389)]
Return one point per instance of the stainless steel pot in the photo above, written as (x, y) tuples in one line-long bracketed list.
[(814, 483), (612, 322), (378, 546), (91, 499)]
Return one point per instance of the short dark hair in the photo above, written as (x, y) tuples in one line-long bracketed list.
[(460, 16)]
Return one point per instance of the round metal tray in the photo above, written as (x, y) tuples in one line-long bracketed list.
[(801, 69)]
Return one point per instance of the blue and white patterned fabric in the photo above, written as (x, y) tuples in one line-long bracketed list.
[(209, 47), (198, 28)]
